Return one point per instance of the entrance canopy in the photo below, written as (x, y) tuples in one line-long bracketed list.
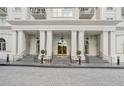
[(94, 25)]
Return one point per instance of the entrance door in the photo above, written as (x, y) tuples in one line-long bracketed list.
[(62, 50), (62, 47)]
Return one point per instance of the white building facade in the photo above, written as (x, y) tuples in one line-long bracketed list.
[(95, 31)]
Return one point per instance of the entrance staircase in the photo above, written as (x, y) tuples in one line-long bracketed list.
[(61, 60), (28, 59), (95, 59)]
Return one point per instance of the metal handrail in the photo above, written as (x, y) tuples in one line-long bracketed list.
[(4, 9), (21, 54), (89, 11), (108, 58), (47, 59), (36, 10)]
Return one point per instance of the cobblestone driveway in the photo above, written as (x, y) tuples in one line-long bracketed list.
[(60, 76)]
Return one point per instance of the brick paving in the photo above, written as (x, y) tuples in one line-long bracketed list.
[(23, 76)]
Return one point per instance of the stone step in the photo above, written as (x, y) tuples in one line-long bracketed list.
[(95, 59), (27, 59), (61, 60)]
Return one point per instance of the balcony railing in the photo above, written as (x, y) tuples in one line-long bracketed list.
[(86, 13), (38, 12), (3, 11), (122, 11)]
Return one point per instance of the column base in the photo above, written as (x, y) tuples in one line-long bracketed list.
[(82, 57), (114, 59), (73, 57)]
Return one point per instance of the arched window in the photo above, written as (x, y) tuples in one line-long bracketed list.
[(2, 44)]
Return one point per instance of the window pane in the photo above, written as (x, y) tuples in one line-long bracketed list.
[(17, 9), (67, 12), (110, 18), (109, 8), (4, 46), (2, 20), (62, 12)]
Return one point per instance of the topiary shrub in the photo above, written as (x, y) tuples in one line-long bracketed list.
[(78, 52), (43, 51)]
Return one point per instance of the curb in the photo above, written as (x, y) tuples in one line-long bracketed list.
[(54, 66)]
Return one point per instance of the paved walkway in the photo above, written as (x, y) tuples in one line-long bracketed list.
[(29, 76)]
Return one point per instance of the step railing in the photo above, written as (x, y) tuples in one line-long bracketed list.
[(105, 57), (19, 56), (4, 9), (46, 59), (72, 59)]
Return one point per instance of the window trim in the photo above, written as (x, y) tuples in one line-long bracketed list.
[(2, 20), (110, 8), (14, 9), (109, 18), (2, 44)]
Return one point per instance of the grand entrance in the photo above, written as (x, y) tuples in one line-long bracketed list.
[(62, 47), (61, 43)]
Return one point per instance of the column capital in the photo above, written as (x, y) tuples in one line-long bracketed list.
[(42, 30), (14, 31), (74, 30), (81, 30), (49, 30), (20, 30)]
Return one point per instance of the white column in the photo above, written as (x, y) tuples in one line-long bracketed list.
[(104, 45), (21, 43), (42, 40), (73, 44), (112, 45), (14, 42), (49, 43), (81, 44)]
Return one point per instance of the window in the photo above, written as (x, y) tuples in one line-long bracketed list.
[(109, 18), (2, 44), (62, 12), (17, 9), (2, 20), (109, 8), (17, 18)]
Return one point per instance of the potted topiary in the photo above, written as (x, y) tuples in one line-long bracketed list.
[(78, 55), (78, 52), (43, 52)]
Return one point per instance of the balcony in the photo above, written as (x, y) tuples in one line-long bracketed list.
[(86, 13), (38, 12), (3, 11), (122, 11)]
